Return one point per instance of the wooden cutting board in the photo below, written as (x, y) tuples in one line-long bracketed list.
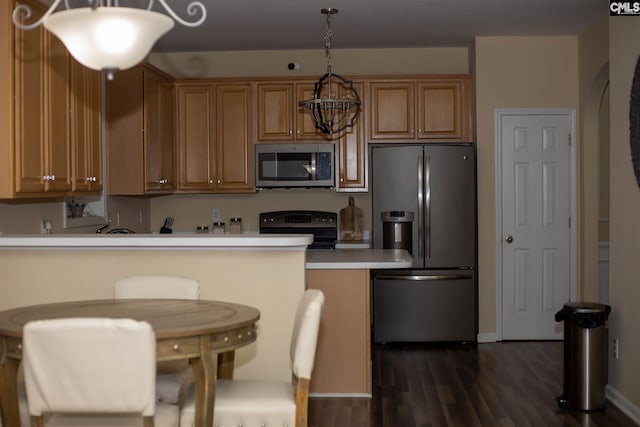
[(351, 222)]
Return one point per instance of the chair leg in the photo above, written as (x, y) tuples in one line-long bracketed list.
[(302, 402), (37, 421), (148, 421)]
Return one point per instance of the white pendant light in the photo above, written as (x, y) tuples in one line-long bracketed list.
[(108, 38)]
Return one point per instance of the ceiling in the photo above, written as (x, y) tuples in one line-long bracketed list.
[(233, 25)]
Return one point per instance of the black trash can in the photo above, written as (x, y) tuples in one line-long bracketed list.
[(585, 355)]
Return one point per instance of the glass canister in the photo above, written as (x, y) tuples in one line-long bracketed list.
[(235, 225), (218, 228)]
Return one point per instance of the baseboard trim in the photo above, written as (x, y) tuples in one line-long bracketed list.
[(487, 338), (360, 395), (629, 408)]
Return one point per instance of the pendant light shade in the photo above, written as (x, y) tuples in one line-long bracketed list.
[(108, 38), (105, 36)]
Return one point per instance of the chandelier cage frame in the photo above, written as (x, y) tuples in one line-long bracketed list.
[(332, 112)]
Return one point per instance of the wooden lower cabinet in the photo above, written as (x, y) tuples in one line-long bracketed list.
[(343, 355)]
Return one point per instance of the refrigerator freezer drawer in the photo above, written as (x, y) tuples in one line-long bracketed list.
[(424, 307)]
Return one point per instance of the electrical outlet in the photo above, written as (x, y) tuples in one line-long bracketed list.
[(616, 348), (215, 215)]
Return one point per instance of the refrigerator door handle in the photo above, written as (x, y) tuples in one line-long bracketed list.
[(423, 278), (427, 185), (420, 209)]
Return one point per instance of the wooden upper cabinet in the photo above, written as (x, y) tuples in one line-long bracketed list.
[(159, 133), (305, 126), (86, 134), (196, 155), (275, 112), (351, 155), (391, 110), (41, 96), (444, 110), (234, 137), (431, 109), (215, 137), (279, 116), (140, 133)]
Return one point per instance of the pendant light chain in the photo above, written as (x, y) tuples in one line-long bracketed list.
[(327, 40)]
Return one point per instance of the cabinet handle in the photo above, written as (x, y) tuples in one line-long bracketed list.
[(210, 181), (291, 132), (218, 181), (49, 178)]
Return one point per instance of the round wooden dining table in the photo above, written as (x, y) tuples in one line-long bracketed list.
[(194, 330)]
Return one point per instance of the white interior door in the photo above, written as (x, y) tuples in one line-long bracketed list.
[(535, 185)]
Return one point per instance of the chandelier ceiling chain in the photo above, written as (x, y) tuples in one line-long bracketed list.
[(328, 34), (335, 104)]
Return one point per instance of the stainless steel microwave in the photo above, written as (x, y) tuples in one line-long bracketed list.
[(294, 165)]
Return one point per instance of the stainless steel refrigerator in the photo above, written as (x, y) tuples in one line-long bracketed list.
[(432, 187)]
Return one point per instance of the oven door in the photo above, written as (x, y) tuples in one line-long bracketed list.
[(294, 165)]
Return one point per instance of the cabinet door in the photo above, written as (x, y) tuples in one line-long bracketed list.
[(305, 126), (391, 110), (42, 112), (352, 155), (124, 122), (234, 147), (167, 136), (86, 137), (94, 128), (343, 355), (275, 112), (159, 135), (29, 101), (196, 169), (57, 116), (444, 110)]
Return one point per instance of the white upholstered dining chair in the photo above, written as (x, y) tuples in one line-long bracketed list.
[(269, 403), (92, 372), (173, 378), (174, 287)]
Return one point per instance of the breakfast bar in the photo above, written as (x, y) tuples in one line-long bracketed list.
[(269, 272)]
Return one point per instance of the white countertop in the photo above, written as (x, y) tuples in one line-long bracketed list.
[(159, 241), (357, 259)]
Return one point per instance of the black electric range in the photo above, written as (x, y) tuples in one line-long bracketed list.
[(322, 225)]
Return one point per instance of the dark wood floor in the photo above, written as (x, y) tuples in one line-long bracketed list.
[(497, 384)]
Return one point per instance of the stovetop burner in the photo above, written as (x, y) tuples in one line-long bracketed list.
[(322, 225)]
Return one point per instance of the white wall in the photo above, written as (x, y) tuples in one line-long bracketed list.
[(512, 72), (624, 268)]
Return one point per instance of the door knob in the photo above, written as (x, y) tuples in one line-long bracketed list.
[(508, 239)]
